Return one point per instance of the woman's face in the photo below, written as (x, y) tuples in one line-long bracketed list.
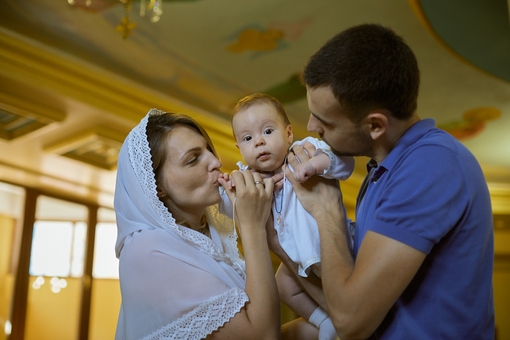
[(188, 179)]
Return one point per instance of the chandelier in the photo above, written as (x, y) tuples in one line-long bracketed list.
[(152, 8)]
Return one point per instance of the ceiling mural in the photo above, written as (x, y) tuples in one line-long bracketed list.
[(486, 24), (105, 63), (275, 36), (472, 123)]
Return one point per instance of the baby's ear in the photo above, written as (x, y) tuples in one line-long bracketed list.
[(290, 136)]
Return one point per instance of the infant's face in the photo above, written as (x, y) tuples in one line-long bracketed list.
[(262, 137)]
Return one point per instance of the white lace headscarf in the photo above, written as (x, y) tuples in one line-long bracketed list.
[(176, 283)]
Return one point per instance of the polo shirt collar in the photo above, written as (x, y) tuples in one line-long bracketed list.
[(410, 137)]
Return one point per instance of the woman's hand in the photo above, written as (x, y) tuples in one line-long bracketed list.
[(260, 318), (277, 177), (251, 197)]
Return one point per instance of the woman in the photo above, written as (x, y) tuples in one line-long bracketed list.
[(181, 275)]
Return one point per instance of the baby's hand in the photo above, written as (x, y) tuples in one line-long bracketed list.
[(226, 180), (308, 166), (303, 171)]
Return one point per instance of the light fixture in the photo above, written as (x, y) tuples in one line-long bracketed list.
[(152, 8)]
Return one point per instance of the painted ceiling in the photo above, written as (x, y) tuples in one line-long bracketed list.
[(206, 54)]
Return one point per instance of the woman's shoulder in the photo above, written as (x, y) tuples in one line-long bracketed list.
[(145, 241)]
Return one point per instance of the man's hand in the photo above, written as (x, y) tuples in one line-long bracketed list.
[(317, 195)]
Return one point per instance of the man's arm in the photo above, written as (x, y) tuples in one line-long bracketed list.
[(358, 295)]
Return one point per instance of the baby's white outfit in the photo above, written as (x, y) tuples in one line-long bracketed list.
[(297, 230)]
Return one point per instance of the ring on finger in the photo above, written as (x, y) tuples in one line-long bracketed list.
[(260, 182)]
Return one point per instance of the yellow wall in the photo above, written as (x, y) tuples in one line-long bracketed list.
[(502, 299), (105, 309), (54, 316), (6, 236), (502, 282)]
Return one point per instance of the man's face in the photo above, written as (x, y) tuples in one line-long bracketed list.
[(334, 127)]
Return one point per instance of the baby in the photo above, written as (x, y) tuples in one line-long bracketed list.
[(263, 134)]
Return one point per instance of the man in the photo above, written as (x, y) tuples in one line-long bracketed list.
[(420, 266)]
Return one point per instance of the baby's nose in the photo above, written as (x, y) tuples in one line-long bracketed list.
[(260, 141)]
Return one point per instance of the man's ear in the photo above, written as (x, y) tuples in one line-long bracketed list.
[(377, 124)]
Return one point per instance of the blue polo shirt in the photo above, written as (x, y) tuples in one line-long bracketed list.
[(430, 193)]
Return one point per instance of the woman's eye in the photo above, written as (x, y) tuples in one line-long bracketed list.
[(192, 161)]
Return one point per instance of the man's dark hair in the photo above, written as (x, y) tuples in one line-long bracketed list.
[(367, 67)]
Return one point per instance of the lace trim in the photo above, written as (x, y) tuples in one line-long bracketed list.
[(140, 157), (204, 319), (333, 162)]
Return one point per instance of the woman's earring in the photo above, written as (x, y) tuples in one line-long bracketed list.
[(161, 194)]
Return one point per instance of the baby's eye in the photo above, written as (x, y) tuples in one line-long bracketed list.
[(247, 138), (268, 131)]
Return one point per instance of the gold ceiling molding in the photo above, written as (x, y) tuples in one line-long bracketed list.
[(58, 186), (30, 63), (98, 146), (19, 117)]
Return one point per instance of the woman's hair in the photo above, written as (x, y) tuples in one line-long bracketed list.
[(258, 98), (367, 67), (158, 130)]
